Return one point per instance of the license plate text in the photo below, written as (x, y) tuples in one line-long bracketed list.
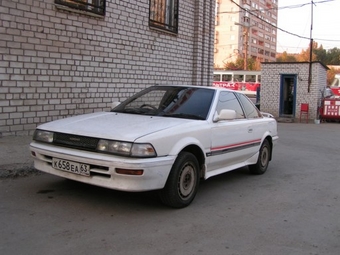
[(70, 166)]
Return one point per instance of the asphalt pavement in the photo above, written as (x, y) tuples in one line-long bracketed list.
[(292, 209)]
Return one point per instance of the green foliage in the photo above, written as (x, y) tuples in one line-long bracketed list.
[(252, 64), (321, 54), (237, 65), (327, 57), (285, 57), (333, 57)]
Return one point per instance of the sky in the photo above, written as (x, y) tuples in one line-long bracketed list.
[(294, 24)]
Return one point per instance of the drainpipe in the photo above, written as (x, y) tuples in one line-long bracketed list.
[(203, 41), (195, 44)]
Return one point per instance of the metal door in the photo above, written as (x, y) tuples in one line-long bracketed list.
[(288, 95)]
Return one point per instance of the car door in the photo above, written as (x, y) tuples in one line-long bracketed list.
[(232, 141), (257, 125)]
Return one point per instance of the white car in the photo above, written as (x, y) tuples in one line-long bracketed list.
[(163, 138)]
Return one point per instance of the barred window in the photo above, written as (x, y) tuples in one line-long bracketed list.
[(93, 6), (164, 15)]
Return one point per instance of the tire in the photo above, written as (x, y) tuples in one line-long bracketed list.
[(263, 161), (183, 181)]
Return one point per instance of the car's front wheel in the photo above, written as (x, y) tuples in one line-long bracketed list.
[(263, 160), (182, 184)]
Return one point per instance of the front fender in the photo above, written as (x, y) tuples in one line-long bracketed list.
[(188, 141)]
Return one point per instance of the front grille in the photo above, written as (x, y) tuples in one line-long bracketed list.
[(75, 141)]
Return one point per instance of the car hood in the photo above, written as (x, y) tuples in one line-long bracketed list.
[(112, 125)]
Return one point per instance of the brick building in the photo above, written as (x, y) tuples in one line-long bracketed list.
[(285, 86), (66, 57)]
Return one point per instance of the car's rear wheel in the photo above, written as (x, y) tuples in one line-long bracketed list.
[(263, 160), (182, 184)]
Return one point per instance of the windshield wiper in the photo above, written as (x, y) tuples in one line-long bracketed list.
[(143, 111), (183, 116)]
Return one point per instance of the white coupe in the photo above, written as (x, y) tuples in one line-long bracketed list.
[(163, 138)]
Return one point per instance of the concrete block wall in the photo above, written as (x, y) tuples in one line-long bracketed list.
[(57, 63), (271, 80)]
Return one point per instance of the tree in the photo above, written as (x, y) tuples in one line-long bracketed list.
[(330, 57), (321, 54), (285, 57), (333, 57), (327, 57), (304, 55), (238, 64), (331, 74)]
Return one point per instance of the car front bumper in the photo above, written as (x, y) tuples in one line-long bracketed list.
[(103, 168)]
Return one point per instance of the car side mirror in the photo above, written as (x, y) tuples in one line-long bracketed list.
[(114, 104), (225, 114)]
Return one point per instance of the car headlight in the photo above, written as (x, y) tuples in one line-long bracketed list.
[(43, 136), (143, 150), (126, 148)]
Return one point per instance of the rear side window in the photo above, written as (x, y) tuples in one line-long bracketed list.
[(228, 100), (249, 108)]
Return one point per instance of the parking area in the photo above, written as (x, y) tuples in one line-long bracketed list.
[(292, 209)]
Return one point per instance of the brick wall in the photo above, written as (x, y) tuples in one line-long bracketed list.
[(56, 63), (271, 82)]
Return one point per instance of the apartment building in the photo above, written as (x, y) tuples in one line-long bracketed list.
[(245, 28)]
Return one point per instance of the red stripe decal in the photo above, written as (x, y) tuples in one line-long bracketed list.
[(235, 145)]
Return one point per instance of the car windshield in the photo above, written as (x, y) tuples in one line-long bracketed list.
[(170, 101)]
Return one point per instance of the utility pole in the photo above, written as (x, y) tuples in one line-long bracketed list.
[(310, 49), (245, 43), (246, 31)]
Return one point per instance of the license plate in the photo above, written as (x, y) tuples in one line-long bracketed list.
[(70, 166)]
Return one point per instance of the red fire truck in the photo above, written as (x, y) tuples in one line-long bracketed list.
[(330, 105)]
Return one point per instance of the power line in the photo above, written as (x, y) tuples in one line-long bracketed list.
[(301, 5), (306, 4), (285, 7)]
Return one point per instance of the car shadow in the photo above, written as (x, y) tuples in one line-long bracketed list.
[(221, 180), (60, 188), (57, 188)]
